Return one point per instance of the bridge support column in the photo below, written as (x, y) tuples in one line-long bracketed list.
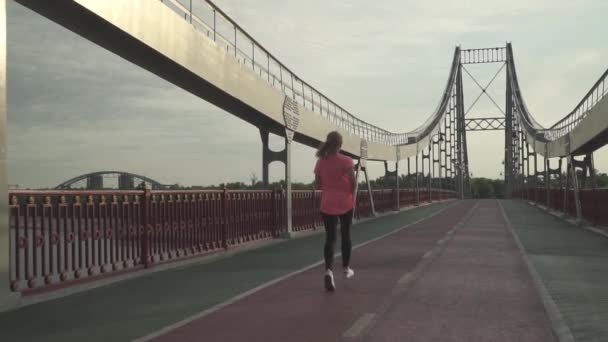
[(388, 174), (417, 182), (548, 180), (436, 158), (509, 138), (8, 299), (409, 177), (397, 183), (362, 166), (463, 158), (443, 166), (549, 172), (577, 200), (586, 165), (535, 178), (427, 157), (567, 186), (524, 160), (529, 183), (269, 156), (284, 156), (592, 171), (288, 194)]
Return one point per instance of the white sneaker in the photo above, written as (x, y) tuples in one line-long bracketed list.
[(330, 285), (349, 273)]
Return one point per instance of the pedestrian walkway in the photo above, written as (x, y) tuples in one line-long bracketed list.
[(133, 308), (477, 288), (450, 271), (457, 276), (573, 265)]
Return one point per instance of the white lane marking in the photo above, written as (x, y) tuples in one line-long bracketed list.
[(359, 326), (405, 278)]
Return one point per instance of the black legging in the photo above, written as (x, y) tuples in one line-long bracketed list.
[(331, 223)]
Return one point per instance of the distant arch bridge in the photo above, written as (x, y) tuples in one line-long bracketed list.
[(95, 181)]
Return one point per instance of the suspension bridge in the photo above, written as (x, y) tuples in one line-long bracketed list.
[(431, 263)]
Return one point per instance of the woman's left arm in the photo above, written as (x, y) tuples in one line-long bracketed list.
[(353, 179)]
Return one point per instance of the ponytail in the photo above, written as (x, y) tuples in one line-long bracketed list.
[(332, 145)]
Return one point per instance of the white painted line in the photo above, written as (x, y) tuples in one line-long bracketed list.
[(359, 326), (428, 254), (596, 230), (560, 328), (405, 278), (232, 300)]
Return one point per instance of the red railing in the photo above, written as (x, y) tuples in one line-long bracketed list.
[(59, 237), (593, 202)]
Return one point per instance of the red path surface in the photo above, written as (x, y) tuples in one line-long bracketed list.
[(425, 283)]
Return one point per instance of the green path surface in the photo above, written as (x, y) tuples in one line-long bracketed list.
[(572, 263), (133, 308)]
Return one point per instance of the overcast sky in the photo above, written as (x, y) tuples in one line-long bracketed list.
[(76, 108)]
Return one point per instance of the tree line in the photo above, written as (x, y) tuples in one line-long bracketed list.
[(480, 187)]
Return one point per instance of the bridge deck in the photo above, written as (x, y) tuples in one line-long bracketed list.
[(573, 264), (456, 276)]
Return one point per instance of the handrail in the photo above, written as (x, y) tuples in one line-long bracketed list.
[(568, 122), (292, 85), (579, 112)]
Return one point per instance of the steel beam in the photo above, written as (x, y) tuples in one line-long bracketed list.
[(508, 172), (577, 200), (484, 55)]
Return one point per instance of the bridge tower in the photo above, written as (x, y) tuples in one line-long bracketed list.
[(514, 139)]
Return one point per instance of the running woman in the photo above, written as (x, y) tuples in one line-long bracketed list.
[(335, 176)]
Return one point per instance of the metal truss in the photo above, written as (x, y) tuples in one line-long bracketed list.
[(485, 124), (485, 55)]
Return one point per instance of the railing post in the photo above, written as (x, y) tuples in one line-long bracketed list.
[(225, 218), (145, 234), (275, 220), (314, 209)]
